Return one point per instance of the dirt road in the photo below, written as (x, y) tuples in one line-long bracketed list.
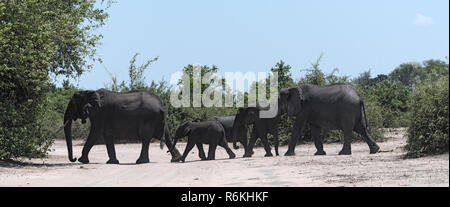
[(387, 168)]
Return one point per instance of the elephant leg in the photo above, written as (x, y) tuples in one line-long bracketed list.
[(212, 151), (373, 146), (201, 152), (275, 136), (143, 157), (297, 132), (93, 135), (111, 150), (315, 132), (251, 144), (245, 144), (146, 134), (347, 148), (176, 156), (230, 152), (189, 147), (266, 144)]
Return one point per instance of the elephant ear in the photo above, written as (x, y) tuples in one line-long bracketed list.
[(183, 130), (92, 105), (94, 99), (252, 113), (295, 99)]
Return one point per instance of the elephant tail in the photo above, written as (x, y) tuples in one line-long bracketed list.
[(365, 116), (165, 133)]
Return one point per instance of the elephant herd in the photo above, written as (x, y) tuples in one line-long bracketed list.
[(141, 115)]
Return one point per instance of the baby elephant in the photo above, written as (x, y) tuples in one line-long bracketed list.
[(199, 133)]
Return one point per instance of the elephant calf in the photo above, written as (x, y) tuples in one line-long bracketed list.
[(199, 133)]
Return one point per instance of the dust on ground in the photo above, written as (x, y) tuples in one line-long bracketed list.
[(387, 168)]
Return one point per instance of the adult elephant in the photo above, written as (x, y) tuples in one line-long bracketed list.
[(227, 123), (246, 116), (138, 115), (336, 106)]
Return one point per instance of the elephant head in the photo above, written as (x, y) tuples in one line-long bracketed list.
[(181, 131), (82, 105), (244, 117), (291, 100)]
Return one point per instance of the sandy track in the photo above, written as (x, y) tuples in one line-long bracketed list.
[(387, 168)]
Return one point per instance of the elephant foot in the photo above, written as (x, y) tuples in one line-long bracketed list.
[(320, 152), (289, 153), (345, 152), (203, 158), (232, 156), (374, 149), (83, 160), (176, 158), (268, 154), (142, 160), (112, 161), (247, 155)]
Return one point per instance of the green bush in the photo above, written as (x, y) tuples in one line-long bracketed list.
[(39, 38), (392, 98), (428, 130)]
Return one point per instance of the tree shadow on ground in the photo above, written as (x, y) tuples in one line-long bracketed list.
[(19, 164)]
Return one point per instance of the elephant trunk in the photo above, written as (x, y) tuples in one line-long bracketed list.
[(68, 116), (182, 131), (235, 146), (240, 134)]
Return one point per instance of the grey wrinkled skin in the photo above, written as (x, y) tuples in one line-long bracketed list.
[(199, 133), (135, 115), (227, 124), (336, 106)]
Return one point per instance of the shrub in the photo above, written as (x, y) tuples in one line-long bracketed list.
[(39, 38), (428, 130), (392, 100)]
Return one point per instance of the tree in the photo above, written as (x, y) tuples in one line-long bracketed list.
[(284, 75), (38, 38), (285, 80), (136, 76), (314, 74), (363, 80), (434, 70), (392, 98), (378, 79), (407, 74)]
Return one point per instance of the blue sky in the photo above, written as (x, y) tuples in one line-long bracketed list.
[(251, 35)]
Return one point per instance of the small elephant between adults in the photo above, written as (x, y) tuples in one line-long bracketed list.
[(227, 124), (199, 133)]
